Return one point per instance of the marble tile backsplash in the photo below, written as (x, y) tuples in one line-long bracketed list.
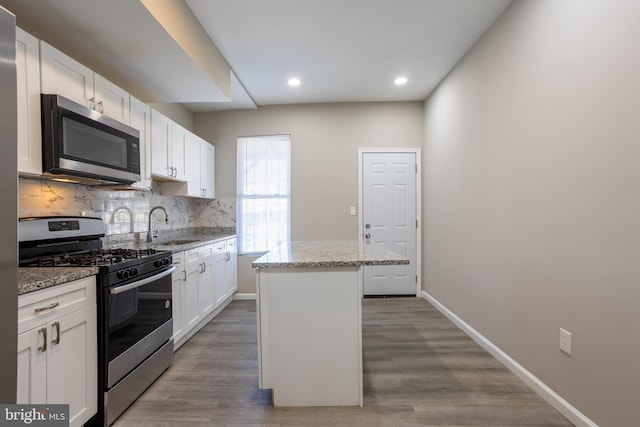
[(124, 212)]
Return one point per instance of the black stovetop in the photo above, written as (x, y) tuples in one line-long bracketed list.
[(94, 257)]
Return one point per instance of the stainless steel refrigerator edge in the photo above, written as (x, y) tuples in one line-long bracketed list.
[(9, 211)]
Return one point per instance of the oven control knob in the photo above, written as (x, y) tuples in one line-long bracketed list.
[(122, 274), (133, 272), (165, 261), (157, 263)]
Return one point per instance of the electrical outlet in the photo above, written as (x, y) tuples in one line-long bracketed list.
[(352, 211), (565, 341)]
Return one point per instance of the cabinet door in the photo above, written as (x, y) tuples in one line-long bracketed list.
[(160, 141), (231, 269), (220, 275), (72, 364), (28, 85), (141, 120), (207, 169), (206, 291), (32, 366), (177, 286), (193, 159), (111, 99), (191, 305), (63, 75), (177, 157)]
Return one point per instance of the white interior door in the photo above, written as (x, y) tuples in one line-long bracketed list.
[(389, 215)]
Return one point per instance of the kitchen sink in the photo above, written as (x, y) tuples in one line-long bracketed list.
[(176, 242)]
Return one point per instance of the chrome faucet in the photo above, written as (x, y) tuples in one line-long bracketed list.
[(166, 220), (123, 208)]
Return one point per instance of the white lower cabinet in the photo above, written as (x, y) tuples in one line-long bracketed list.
[(57, 348), (225, 270), (206, 294), (192, 291), (204, 279), (178, 285)]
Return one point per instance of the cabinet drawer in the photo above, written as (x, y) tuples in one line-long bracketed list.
[(192, 256), (207, 250), (221, 247), (178, 260), (39, 307)]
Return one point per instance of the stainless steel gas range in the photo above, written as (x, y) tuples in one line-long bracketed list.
[(134, 303)]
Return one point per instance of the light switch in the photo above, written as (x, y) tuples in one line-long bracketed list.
[(352, 211)]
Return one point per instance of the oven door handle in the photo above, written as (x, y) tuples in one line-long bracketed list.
[(137, 284)]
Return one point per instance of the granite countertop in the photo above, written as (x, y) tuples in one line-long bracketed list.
[(328, 253), (181, 243), (35, 278), (32, 279)]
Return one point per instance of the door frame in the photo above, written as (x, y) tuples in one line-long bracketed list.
[(417, 152)]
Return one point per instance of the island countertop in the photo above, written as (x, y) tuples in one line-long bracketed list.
[(328, 253)]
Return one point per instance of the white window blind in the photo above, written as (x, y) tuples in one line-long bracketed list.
[(264, 192)]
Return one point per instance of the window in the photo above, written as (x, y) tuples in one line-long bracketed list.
[(264, 188)]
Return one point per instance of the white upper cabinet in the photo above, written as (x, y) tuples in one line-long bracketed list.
[(207, 169), (167, 148), (192, 158), (111, 99), (160, 140), (141, 120), (177, 147), (28, 85), (63, 75), (199, 160)]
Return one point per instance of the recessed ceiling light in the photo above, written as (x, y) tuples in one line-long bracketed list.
[(294, 82), (400, 81)]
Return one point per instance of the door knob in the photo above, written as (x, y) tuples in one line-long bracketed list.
[(367, 236), (367, 226)]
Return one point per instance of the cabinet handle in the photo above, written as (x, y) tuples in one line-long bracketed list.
[(204, 267), (51, 306), (101, 107), (43, 347), (92, 102), (56, 326), (185, 275)]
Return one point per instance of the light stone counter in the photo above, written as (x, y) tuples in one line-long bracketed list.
[(328, 253), (32, 279), (189, 241)]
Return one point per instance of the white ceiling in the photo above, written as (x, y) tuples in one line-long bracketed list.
[(342, 50)]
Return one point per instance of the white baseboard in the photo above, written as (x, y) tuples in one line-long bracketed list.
[(553, 398), (244, 297)]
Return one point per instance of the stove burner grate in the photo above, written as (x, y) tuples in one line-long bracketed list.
[(94, 257)]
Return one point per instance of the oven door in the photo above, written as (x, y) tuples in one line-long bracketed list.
[(137, 322)]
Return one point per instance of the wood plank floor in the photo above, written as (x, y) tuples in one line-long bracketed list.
[(419, 370)]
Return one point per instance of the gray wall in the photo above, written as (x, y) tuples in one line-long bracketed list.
[(532, 207), (325, 139)]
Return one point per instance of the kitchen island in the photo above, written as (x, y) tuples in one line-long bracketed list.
[(309, 320)]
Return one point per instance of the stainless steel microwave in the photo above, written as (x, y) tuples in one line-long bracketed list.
[(87, 146)]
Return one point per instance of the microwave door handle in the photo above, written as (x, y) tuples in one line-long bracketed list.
[(137, 284)]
